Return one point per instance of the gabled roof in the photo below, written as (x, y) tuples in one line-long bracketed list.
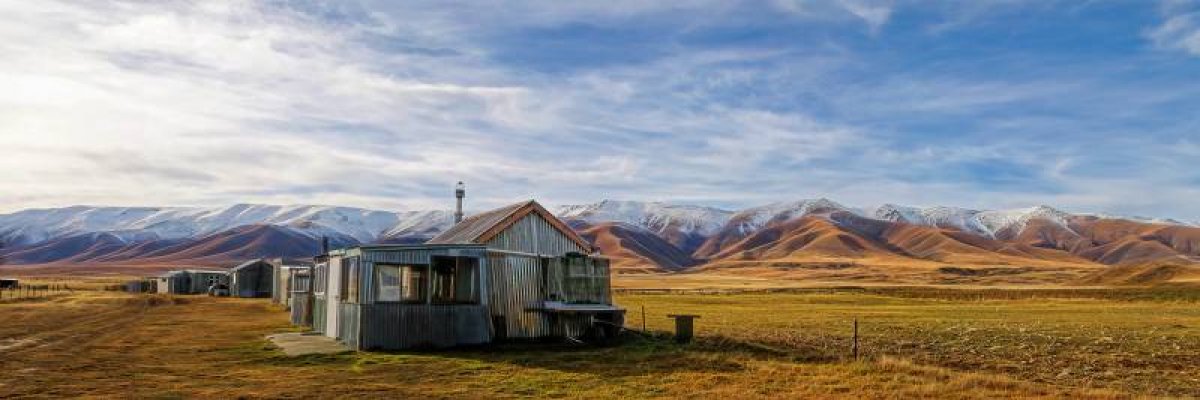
[(250, 263), (480, 228), (178, 272)]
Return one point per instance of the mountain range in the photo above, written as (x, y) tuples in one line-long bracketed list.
[(639, 236)]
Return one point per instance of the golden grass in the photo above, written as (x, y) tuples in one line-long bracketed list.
[(1140, 341), (817, 273), (115, 345)]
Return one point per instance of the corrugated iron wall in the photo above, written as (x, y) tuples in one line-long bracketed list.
[(199, 281), (348, 327), (513, 291), (533, 234), (255, 280), (301, 307), (398, 326), (318, 314), (515, 287), (410, 256)]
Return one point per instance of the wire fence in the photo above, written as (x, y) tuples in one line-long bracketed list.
[(13, 292)]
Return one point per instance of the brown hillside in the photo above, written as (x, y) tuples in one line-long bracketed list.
[(636, 250), (1114, 241), (806, 236), (1155, 273)]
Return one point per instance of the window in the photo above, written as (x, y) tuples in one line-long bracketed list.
[(400, 283), (320, 278), (299, 283), (349, 279), (447, 280), (455, 280), (580, 266), (585, 280)]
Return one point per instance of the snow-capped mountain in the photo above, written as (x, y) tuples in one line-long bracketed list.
[(753, 219), (684, 226), (985, 223), (668, 235), (150, 223), (652, 216)]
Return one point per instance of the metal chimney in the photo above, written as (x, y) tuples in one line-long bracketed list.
[(324, 245), (460, 191)]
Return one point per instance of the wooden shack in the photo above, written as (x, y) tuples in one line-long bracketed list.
[(190, 281), (517, 272), (252, 279)]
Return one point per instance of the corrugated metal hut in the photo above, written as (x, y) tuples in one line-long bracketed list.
[(142, 286), (299, 296), (285, 281), (254, 278), (517, 272), (190, 281)]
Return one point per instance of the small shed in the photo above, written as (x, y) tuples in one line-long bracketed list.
[(142, 286), (190, 281), (254, 278), (516, 272), (9, 283), (289, 276), (300, 295)]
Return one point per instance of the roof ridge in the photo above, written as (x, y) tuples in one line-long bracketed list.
[(482, 227)]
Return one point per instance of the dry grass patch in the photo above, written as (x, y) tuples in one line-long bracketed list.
[(114, 345), (1126, 344)]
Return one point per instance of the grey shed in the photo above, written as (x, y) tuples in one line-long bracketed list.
[(516, 272), (190, 281), (254, 278)]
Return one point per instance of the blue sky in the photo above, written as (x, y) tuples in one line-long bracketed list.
[(1090, 106)]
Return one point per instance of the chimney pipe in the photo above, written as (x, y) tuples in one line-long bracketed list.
[(324, 245), (460, 191)]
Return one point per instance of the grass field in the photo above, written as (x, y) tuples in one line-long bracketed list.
[(915, 343)]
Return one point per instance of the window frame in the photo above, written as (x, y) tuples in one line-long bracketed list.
[(376, 288), (474, 277), (320, 278), (350, 280)]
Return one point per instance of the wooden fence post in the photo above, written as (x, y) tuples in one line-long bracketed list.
[(643, 318), (855, 339)]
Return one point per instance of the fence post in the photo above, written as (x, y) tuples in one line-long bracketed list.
[(643, 318), (856, 339)]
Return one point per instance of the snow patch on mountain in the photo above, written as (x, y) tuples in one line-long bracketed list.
[(755, 218), (1147, 220), (987, 223), (653, 216), (151, 223)]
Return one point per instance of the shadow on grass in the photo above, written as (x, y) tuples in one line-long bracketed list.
[(631, 355)]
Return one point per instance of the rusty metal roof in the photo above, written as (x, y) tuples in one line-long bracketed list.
[(480, 228), (472, 228)]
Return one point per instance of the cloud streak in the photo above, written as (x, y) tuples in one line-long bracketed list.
[(381, 104)]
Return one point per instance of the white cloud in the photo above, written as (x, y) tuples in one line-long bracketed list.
[(384, 106), (1179, 32), (131, 103), (874, 13)]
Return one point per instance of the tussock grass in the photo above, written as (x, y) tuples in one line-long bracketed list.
[(1131, 345), (116, 345)]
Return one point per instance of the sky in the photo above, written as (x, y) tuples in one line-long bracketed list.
[(1088, 106)]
